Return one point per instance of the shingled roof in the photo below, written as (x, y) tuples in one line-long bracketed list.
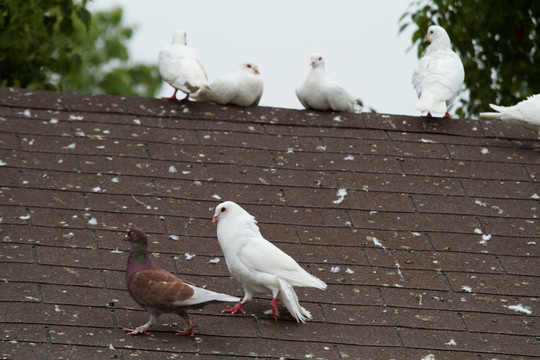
[(432, 252)]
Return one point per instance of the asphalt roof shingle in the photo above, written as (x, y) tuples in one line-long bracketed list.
[(433, 249)]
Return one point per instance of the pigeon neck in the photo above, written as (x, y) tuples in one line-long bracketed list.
[(139, 259)]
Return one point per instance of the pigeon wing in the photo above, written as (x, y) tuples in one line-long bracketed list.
[(159, 289), (260, 255)]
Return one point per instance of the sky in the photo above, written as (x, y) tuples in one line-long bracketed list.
[(359, 40)]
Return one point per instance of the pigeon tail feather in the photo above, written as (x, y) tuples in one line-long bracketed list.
[(289, 298), (428, 102)]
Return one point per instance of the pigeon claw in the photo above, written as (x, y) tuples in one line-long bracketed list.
[(190, 331), (233, 310), (135, 332), (447, 115), (273, 305), (172, 97)]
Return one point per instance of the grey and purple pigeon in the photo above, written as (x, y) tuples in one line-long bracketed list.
[(158, 291)]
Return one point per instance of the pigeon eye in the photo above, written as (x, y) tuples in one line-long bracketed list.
[(249, 66), (223, 209), (131, 234), (320, 58)]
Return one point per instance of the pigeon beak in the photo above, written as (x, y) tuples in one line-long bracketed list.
[(215, 219), (126, 238), (256, 71), (426, 39)]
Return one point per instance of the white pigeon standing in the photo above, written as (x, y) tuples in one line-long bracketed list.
[(259, 265), (180, 67), (525, 113), (242, 87), (319, 92), (439, 76)]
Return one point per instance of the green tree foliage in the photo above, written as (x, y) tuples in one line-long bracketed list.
[(498, 42), (59, 45), (35, 40), (106, 67)]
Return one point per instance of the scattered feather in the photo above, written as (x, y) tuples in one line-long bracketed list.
[(92, 221), (466, 289), (216, 196), (478, 231), (174, 237), (3, 163), (172, 169), (53, 121), (189, 256), (75, 117), (350, 158), (479, 203), (115, 179), (335, 269), (338, 119), (116, 251), (349, 271), (70, 146), (520, 308), (214, 260), (341, 194), (137, 121), (452, 342), (25, 217), (96, 189), (26, 113), (376, 242), (484, 151), (428, 141), (398, 267)]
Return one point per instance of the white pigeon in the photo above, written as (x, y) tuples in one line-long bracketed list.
[(525, 113), (319, 92), (259, 265), (438, 79), (242, 87), (180, 67)]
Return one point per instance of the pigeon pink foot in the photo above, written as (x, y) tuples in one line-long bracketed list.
[(172, 97), (273, 305), (136, 331), (190, 331), (233, 310), (447, 115)]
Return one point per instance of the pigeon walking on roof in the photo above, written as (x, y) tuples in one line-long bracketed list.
[(525, 113), (242, 87), (319, 92), (158, 291), (259, 265), (439, 76), (180, 67)]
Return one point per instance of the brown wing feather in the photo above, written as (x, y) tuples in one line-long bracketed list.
[(158, 289)]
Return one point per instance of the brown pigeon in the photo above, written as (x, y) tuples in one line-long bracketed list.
[(158, 291)]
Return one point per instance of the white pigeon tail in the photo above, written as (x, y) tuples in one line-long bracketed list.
[(439, 76), (242, 87), (319, 92), (180, 67), (525, 113), (258, 265)]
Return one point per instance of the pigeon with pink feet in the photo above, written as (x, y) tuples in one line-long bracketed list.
[(439, 76), (180, 67), (259, 265), (158, 291)]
